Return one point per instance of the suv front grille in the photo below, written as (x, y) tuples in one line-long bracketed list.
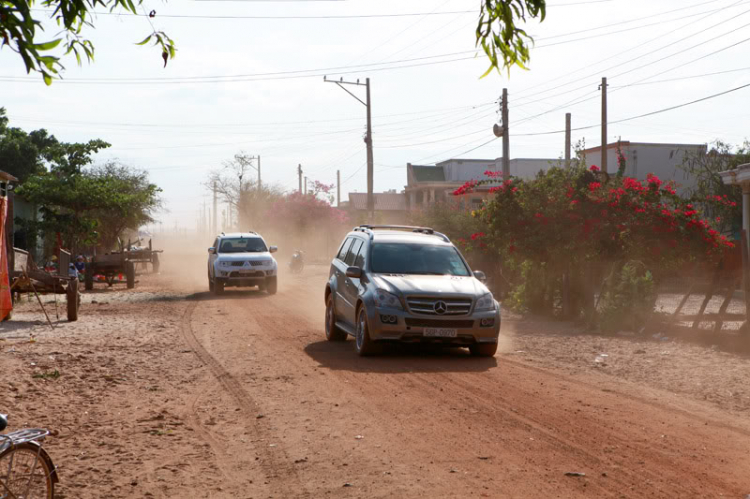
[(426, 305), (238, 264), (257, 263), (459, 324)]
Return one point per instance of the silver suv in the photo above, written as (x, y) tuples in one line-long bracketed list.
[(241, 259), (408, 284)]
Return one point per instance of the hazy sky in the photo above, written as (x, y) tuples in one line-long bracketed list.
[(256, 85)]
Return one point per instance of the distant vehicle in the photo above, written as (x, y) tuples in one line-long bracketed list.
[(241, 259), (297, 263), (408, 284)]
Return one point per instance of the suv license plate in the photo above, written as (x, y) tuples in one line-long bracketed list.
[(440, 332)]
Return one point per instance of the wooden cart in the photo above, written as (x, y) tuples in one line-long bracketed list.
[(26, 277), (112, 265)]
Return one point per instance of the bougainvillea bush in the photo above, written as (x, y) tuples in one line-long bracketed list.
[(567, 220)]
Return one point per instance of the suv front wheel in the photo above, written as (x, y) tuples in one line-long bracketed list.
[(364, 345)]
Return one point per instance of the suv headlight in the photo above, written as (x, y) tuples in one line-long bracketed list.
[(385, 299), (484, 303), (225, 264)]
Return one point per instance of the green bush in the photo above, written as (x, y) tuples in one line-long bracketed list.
[(629, 298)]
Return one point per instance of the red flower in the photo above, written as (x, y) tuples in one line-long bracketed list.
[(595, 168), (476, 236), (594, 186)]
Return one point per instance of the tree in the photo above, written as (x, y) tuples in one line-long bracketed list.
[(20, 30), (234, 181), (21, 153), (567, 220), (88, 207), (723, 202), (506, 44)]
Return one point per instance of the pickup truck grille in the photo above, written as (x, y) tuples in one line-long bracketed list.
[(427, 305), (238, 264)]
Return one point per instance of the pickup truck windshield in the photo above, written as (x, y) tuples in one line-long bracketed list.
[(425, 259), (243, 245)]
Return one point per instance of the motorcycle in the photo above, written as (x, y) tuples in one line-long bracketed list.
[(297, 263)]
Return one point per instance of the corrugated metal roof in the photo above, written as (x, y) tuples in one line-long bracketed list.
[(384, 201)]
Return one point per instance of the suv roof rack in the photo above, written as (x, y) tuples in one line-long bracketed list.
[(407, 228)]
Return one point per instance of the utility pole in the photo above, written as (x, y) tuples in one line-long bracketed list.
[(305, 193), (299, 173), (368, 136), (338, 188), (260, 183), (506, 137), (215, 225), (567, 140), (603, 88)]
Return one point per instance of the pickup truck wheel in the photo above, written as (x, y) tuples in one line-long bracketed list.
[(272, 285), (219, 287), (483, 349), (333, 333), (363, 344), (210, 284)]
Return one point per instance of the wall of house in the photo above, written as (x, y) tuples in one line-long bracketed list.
[(466, 169), (527, 168), (663, 160)]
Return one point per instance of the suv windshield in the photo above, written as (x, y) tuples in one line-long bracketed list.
[(428, 259), (242, 245)]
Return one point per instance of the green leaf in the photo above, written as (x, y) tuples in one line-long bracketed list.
[(47, 45), (47, 79), (145, 40)]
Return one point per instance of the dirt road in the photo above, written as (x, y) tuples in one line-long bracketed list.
[(168, 391)]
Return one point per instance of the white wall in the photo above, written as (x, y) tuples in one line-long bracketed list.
[(663, 160)]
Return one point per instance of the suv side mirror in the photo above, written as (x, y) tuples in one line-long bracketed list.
[(273, 249), (354, 272), (480, 275), (212, 250)]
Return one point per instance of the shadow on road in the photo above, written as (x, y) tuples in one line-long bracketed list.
[(233, 294), (397, 358)]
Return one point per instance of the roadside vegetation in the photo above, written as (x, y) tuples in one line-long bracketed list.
[(76, 204)]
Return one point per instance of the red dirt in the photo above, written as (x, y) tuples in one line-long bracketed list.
[(167, 391)]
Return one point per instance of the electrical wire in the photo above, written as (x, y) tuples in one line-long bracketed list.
[(651, 113)]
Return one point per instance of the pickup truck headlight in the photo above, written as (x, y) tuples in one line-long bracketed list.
[(485, 303), (225, 264), (384, 299)]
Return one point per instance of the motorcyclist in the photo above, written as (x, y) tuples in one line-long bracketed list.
[(297, 263)]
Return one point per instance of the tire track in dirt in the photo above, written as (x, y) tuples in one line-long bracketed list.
[(280, 475), (220, 455)]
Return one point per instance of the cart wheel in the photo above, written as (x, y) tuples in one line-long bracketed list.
[(155, 263), (88, 277), (130, 274), (73, 298)]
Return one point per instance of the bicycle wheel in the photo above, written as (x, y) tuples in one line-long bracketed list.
[(24, 474)]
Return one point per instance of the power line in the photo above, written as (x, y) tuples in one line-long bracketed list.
[(215, 79), (680, 78), (628, 50), (651, 113), (284, 17)]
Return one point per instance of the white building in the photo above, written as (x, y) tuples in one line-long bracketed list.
[(642, 158), (427, 184)]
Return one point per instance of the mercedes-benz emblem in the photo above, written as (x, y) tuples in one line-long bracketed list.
[(440, 307)]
